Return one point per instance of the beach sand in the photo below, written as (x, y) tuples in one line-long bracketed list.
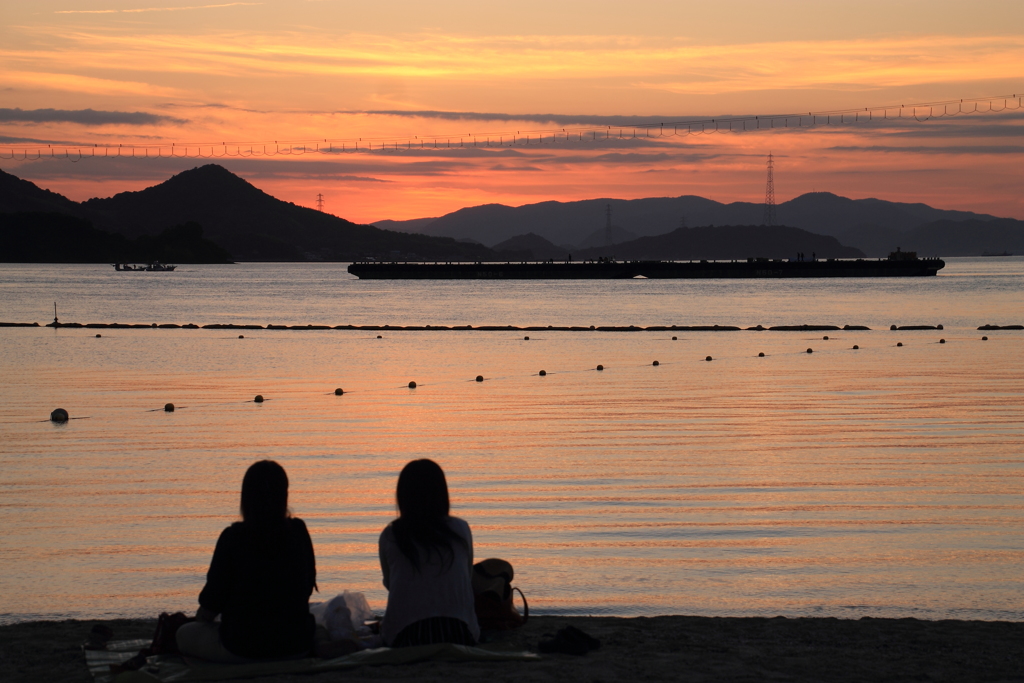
[(645, 648)]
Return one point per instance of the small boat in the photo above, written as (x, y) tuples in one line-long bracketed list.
[(149, 267)]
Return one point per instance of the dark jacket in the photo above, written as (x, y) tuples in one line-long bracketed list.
[(260, 583)]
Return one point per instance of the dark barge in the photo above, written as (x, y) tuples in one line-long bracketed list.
[(899, 264)]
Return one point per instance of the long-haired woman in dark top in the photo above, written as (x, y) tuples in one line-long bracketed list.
[(260, 579), (426, 556)]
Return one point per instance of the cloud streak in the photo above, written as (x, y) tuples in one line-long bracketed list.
[(591, 62), (155, 9), (86, 117)]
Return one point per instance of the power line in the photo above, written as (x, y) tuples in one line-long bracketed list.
[(920, 112)]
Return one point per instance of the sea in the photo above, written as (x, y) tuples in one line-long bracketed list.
[(843, 473)]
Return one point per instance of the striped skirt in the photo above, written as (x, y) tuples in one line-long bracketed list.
[(435, 630)]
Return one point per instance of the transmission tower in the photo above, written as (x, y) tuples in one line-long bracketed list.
[(608, 225), (319, 202), (769, 195)]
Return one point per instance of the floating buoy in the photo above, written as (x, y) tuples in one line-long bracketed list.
[(339, 391), (675, 338), (810, 350), (761, 355), (942, 341), (526, 339), (708, 358), (938, 327), (892, 327), (479, 378), (899, 343), (59, 415), (982, 339), (98, 336), (379, 337), (600, 367), (241, 336), (168, 407), (259, 398), (855, 347), (542, 373), (825, 337), (591, 327), (655, 363), (412, 385)]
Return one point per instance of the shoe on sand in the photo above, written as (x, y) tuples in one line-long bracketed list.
[(98, 637), (571, 641)]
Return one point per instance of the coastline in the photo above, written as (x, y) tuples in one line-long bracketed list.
[(653, 648)]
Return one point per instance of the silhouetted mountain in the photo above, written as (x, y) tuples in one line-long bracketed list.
[(829, 214), (966, 238), (248, 222), (726, 242), (413, 225), (529, 247), (599, 237), (255, 226), (573, 222), (17, 195), (59, 238)]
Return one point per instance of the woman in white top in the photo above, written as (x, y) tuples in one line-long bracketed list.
[(426, 557)]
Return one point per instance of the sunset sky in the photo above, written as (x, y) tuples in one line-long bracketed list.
[(194, 71)]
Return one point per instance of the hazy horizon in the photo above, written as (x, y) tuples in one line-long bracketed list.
[(131, 71)]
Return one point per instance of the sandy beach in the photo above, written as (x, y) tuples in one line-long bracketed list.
[(645, 648)]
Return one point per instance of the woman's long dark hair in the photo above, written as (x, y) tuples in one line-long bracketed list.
[(265, 496), (422, 525)]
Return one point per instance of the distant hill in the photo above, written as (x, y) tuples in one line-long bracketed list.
[(249, 223), (599, 237), (413, 225), (34, 237), (17, 195), (726, 242), (573, 223), (530, 247), (255, 226), (966, 238)]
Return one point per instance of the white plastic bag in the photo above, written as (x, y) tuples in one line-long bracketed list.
[(343, 616)]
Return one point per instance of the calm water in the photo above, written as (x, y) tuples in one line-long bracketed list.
[(885, 481)]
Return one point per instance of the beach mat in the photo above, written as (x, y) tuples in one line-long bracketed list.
[(170, 669), (117, 652)]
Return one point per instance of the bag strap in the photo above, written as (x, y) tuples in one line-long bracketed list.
[(526, 606)]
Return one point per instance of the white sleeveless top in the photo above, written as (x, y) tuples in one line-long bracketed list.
[(433, 591)]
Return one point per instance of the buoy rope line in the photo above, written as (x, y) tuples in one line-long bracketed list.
[(491, 328), (412, 386), (918, 113)]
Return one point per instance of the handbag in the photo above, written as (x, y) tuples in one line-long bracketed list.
[(164, 642), (493, 594), (165, 637)]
